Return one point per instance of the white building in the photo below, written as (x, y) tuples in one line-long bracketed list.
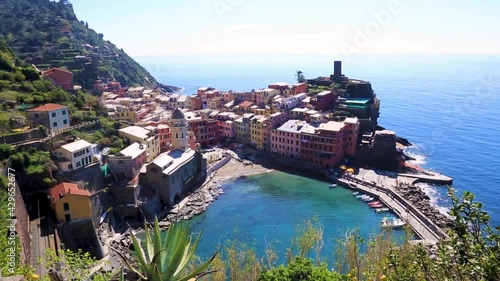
[(53, 116), (73, 156)]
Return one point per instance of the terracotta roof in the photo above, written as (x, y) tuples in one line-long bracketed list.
[(60, 190), (246, 104), (48, 107), (55, 69)]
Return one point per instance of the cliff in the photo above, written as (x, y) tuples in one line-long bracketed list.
[(48, 34)]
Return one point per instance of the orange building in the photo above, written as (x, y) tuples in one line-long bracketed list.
[(60, 77), (69, 202)]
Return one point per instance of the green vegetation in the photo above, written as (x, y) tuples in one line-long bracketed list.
[(35, 164), (166, 260), (471, 253), (75, 266), (48, 34)]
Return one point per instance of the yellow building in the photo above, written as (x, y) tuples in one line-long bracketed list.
[(69, 202), (258, 132)]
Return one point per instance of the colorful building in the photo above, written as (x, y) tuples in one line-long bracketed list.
[(73, 156), (69, 202), (52, 116), (327, 145), (141, 135), (259, 132), (286, 140), (59, 77), (128, 162)]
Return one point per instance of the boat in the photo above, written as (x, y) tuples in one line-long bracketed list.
[(379, 205), (368, 199), (360, 196), (355, 193), (381, 210), (392, 222), (333, 185), (375, 203)]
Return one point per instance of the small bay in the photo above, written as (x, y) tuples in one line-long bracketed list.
[(268, 208)]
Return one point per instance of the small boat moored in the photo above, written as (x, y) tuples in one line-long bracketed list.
[(379, 205), (381, 210), (392, 222), (333, 185), (355, 193), (368, 199)]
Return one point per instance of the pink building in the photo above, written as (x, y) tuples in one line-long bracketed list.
[(329, 144), (286, 140), (165, 137)]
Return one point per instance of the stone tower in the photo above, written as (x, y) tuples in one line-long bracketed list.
[(179, 130)]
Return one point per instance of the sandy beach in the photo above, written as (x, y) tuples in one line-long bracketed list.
[(235, 169)]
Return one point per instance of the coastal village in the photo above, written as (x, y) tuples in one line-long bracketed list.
[(174, 146)]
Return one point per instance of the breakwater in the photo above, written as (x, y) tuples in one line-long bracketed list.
[(425, 228)]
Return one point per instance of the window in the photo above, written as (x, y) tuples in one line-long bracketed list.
[(70, 166), (65, 121), (87, 150), (66, 206), (54, 124), (67, 217), (53, 114), (64, 112)]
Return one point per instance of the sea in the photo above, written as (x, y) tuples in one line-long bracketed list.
[(447, 106)]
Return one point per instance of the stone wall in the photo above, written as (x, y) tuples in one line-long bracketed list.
[(36, 133), (80, 234)]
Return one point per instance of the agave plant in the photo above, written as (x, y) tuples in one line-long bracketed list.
[(166, 259)]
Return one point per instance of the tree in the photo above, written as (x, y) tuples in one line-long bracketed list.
[(166, 259), (300, 76)]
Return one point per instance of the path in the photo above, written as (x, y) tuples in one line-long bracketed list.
[(420, 224)]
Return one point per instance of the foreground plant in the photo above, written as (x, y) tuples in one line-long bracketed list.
[(166, 256)]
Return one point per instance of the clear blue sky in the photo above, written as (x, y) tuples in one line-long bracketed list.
[(171, 27)]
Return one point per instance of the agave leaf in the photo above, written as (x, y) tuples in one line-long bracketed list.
[(178, 233), (177, 257), (127, 264), (158, 245), (149, 244), (199, 270), (184, 259), (139, 252), (189, 255)]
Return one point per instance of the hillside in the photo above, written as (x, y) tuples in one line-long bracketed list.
[(48, 34)]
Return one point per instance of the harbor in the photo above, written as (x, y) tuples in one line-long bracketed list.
[(381, 186)]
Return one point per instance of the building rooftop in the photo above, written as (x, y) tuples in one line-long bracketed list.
[(324, 93), (300, 109), (59, 191), (351, 120), (133, 150), (76, 145), (182, 98), (294, 126), (246, 104), (332, 126), (138, 89), (49, 107), (136, 131), (170, 161)]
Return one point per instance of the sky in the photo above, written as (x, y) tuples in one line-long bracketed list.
[(188, 27)]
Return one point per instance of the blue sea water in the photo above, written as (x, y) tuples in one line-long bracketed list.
[(446, 105)]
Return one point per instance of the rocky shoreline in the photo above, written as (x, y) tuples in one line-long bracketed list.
[(420, 200), (196, 204)]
